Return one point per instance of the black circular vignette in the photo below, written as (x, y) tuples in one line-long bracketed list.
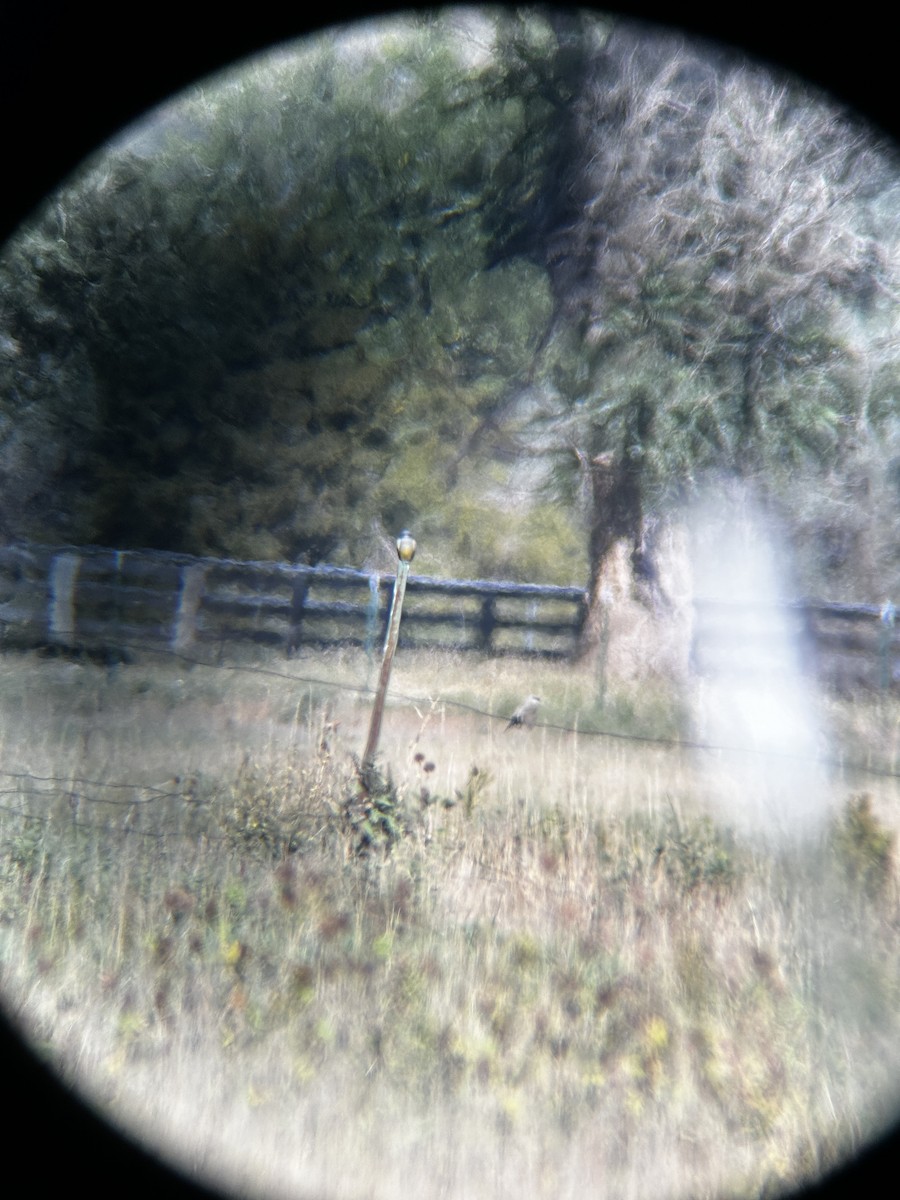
[(71, 77)]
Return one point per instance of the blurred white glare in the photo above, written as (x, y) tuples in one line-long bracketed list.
[(755, 704)]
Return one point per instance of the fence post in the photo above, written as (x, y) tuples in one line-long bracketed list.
[(531, 613), (809, 641), (372, 612), (299, 591), (487, 623), (406, 549), (888, 617), (63, 577), (190, 593)]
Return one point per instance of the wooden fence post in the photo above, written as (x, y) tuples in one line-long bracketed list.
[(190, 594), (487, 623), (372, 613), (299, 591), (406, 549), (61, 583), (887, 620)]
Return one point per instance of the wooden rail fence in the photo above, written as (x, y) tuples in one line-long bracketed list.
[(103, 600), (93, 597), (846, 646)]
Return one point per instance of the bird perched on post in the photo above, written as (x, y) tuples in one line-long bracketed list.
[(406, 546), (524, 714)]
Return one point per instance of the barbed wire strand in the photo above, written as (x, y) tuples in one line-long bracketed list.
[(679, 744)]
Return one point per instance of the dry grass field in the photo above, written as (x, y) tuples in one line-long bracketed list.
[(538, 962)]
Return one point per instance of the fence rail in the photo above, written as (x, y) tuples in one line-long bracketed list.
[(846, 646), (101, 598), (85, 595)]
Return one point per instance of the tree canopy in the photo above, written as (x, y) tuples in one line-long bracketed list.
[(723, 250), (387, 275), (274, 302)]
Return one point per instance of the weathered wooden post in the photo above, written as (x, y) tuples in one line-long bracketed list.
[(372, 613), (299, 590), (406, 549), (62, 583), (192, 580), (887, 619), (486, 623)]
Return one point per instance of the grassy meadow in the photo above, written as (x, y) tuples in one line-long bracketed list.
[(537, 962)]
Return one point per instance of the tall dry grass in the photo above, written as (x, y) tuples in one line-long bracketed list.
[(536, 963)]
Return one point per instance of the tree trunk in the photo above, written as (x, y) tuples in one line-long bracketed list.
[(616, 514)]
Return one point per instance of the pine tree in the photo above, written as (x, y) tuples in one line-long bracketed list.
[(703, 290)]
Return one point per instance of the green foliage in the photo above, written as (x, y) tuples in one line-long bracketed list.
[(728, 319), (274, 287), (477, 783), (312, 294), (550, 547), (699, 854), (864, 848), (373, 813), (692, 854), (270, 812)]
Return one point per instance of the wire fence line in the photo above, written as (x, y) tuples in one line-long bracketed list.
[(425, 701), (159, 835), (59, 623), (464, 706), (74, 785), (431, 700), (162, 834)]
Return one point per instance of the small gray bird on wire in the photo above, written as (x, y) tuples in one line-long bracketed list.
[(524, 714)]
